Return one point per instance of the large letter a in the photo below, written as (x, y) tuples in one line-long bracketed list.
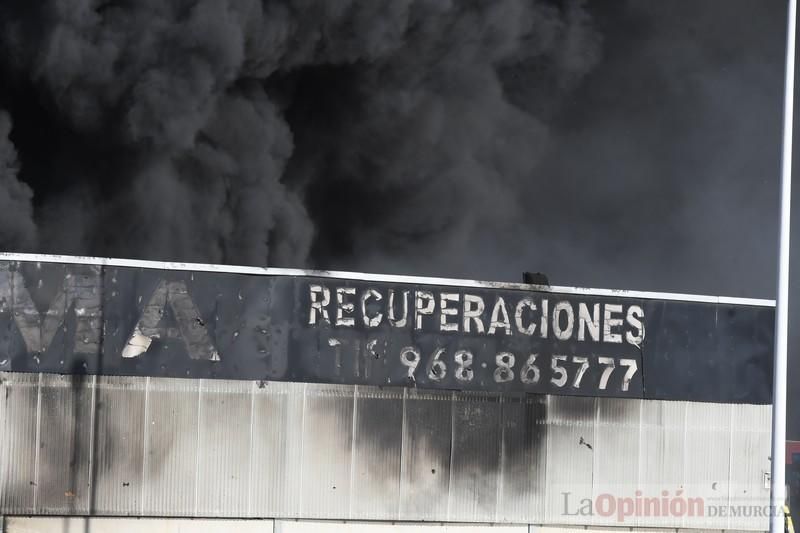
[(191, 327)]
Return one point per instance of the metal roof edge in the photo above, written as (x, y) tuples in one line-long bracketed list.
[(420, 280)]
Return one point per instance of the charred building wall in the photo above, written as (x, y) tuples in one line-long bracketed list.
[(147, 389), (78, 445)]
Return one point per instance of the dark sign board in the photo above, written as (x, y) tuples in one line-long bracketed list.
[(118, 317)]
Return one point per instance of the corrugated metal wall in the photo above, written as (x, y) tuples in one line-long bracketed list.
[(185, 525), (170, 447), (188, 525)]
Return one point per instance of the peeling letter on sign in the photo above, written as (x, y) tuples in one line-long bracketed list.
[(79, 291), (191, 328)]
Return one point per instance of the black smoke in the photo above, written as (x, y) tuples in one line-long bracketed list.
[(628, 144), (283, 132), (17, 228)]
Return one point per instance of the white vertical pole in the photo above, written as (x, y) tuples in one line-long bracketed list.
[(777, 477)]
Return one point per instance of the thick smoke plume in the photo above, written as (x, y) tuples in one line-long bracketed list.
[(622, 144), (262, 132), (17, 229)]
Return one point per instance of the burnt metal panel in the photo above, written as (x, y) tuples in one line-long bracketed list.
[(615, 450), (272, 449), (748, 474), (285, 526), (475, 465), (708, 458), (662, 444), (267, 451), (276, 449), (65, 444), (426, 454), (570, 455), (19, 426), (161, 525), (38, 524), (118, 446), (117, 320), (376, 452), (523, 458), (171, 437), (223, 454), (325, 464)]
